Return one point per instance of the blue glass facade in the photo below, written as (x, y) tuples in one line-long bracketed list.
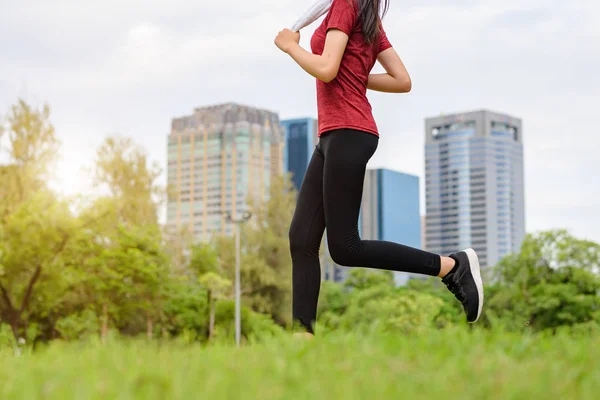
[(399, 215), (398, 205), (300, 140)]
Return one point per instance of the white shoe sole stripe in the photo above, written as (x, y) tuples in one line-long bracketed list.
[(476, 273)]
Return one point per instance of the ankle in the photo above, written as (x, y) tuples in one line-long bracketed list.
[(446, 265)]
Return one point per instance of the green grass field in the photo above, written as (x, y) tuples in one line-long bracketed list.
[(437, 365)]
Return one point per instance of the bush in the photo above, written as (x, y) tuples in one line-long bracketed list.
[(78, 326), (255, 326), (408, 312)]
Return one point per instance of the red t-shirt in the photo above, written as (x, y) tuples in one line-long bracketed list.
[(343, 103)]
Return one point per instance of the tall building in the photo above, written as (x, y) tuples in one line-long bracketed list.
[(423, 232), (300, 141), (474, 184), (217, 158), (389, 211)]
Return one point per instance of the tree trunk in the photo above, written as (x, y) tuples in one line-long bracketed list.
[(14, 325), (9, 313), (211, 322), (11, 317), (29, 291), (163, 324), (149, 326), (104, 333)]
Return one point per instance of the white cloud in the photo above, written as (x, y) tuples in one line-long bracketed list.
[(110, 67)]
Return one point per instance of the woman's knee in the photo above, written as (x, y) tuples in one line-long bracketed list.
[(295, 237), (340, 254), (300, 244)]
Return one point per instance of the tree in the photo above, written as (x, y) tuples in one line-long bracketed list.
[(204, 264), (132, 264), (451, 311), (217, 288), (138, 257), (381, 309), (179, 246), (185, 309), (333, 303), (123, 168), (368, 300), (552, 282), (32, 149), (123, 269), (35, 228), (363, 278), (32, 137), (32, 239), (204, 260), (255, 326), (266, 264)]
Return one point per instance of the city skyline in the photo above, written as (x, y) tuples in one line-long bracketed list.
[(477, 135), (126, 69)]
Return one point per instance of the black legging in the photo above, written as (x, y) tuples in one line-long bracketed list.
[(331, 196)]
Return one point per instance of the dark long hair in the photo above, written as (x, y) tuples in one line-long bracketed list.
[(370, 17)]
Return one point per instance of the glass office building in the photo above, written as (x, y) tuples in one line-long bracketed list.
[(300, 141), (474, 184)]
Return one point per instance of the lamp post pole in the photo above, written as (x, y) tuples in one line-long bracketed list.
[(238, 221)]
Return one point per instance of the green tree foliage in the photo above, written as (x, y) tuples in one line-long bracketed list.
[(132, 266), (217, 288), (552, 282), (369, 301), (267, 259), (204, 259), (333, 303), (451, 311), (32, 238), (123, 168), (185, 310), (35, 228), (255, 326), (362, 278), (70, 270)]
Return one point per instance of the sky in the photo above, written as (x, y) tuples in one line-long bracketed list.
[(127, 68)]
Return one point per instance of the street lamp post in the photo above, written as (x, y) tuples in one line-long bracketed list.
[(237, 221)]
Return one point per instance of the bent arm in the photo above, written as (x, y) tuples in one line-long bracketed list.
[(396, 79), (324, 67)]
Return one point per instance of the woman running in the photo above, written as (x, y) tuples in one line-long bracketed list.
[(344, 50)]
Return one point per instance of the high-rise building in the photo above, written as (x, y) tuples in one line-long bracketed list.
[(300, 141), (389, 211), (423, 232), (474, 184), (217, 158)]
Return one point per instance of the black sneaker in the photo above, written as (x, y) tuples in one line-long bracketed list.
[(464, 281)]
